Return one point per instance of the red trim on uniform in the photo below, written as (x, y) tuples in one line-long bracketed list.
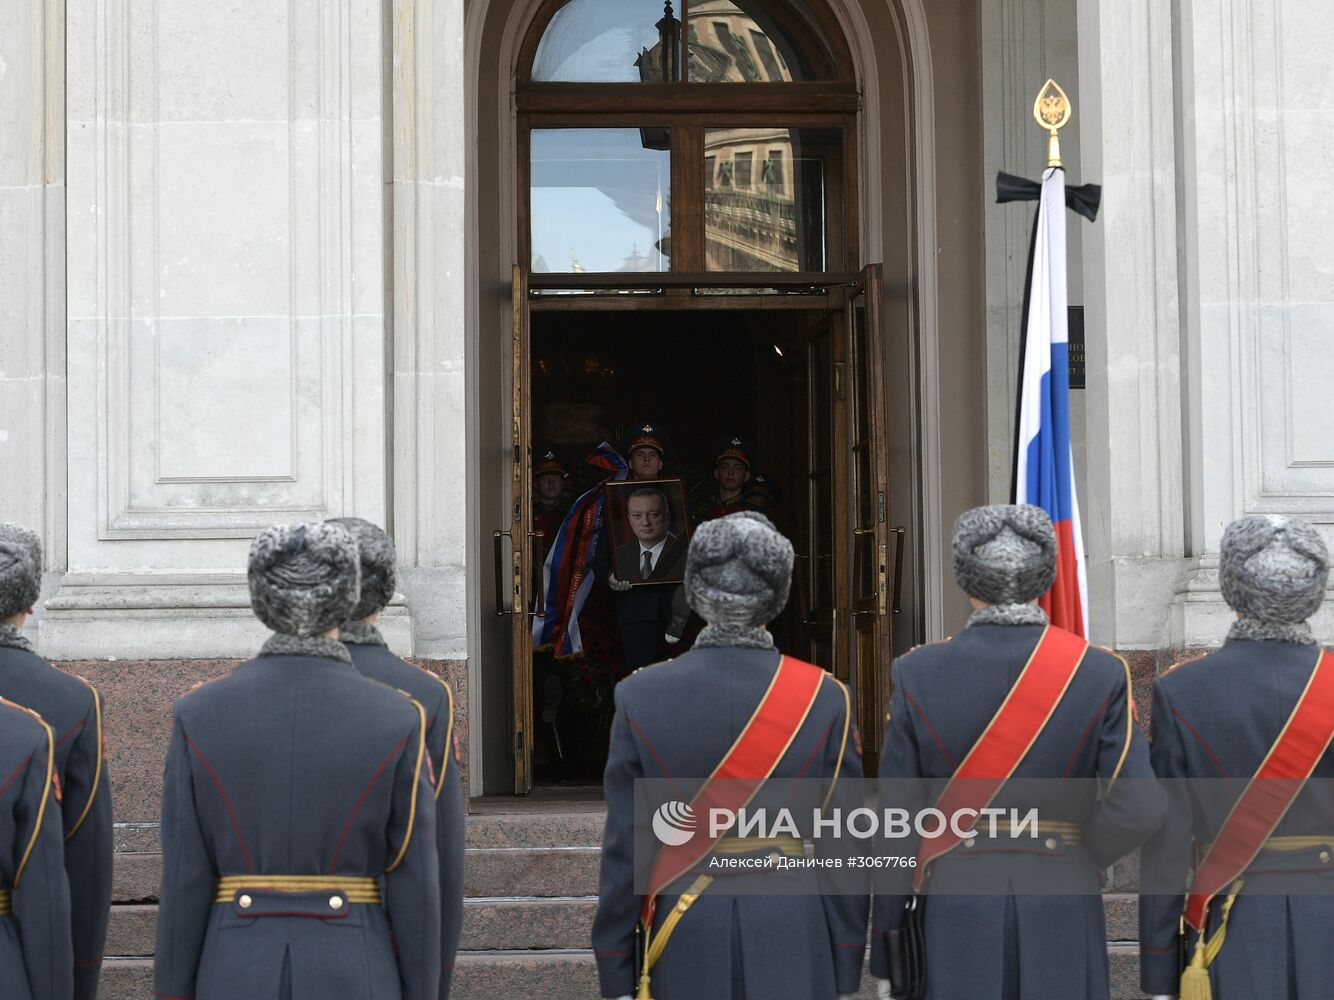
[(1007, 739), (1218, 764), (87, 963), (651, 748), (21, 768), (840, 944), (818, 747), (1268, 795), (77, 727), (615, 953), (226, 801), (930, 728), (1069, 765), (746, 766), (333, 865), (1155, 951)]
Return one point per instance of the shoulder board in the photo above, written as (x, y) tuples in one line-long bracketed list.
[(1182, 663), (841, 686), (650, 666), (24, 709), (924, 645), (198, 684), (449, 692)]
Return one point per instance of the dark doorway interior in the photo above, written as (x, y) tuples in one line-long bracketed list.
[(705, 376)]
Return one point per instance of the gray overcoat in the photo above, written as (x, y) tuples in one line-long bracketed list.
[(36, 960), (378, 663), (74, 711), (1215, 718), (1004, 944), (677, 720), (297, 765)]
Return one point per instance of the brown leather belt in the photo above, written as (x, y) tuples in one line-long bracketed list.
[(6, 903)]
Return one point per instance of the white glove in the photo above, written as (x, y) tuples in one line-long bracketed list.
[(626, 997), (618, 585), (847, 996), (1164, 996), (882, 990)]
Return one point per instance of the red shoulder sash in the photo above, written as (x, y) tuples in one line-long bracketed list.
[(1270, 793), (1008, 737), (743, 769)]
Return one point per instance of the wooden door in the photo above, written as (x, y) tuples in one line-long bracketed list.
[(519, 571), (871, 539), (820, 549)]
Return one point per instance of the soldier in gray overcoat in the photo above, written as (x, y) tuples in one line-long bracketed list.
[(678, 720), (1008, 945), (1215, 719), (36, 960), (298, 838), (73, 709), (372, 657)]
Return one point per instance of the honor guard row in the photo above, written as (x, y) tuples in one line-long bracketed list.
[(1011, 698), (312, 811)]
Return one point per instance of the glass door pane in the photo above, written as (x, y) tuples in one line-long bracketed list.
[(769, 196), (600, 199), (609, 41)]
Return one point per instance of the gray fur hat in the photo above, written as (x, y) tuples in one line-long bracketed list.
[(738, 570), (305, 578), (377, 565), (1273, 568), (20, 569), (1005, 553)]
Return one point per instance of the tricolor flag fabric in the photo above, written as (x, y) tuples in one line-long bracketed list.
[(1044, 466), (567, 574)]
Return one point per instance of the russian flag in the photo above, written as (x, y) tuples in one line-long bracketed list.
[(1044, 467)]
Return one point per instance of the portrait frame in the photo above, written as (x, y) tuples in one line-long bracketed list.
[(669, 563)]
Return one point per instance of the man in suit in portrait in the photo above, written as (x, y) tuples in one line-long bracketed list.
[(657, 554)]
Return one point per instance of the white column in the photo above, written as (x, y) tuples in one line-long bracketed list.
[(430, 465), (1258, 140), (1135, 530), (32, 272)]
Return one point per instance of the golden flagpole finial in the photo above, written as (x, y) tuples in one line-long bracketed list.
[(1052, 111)]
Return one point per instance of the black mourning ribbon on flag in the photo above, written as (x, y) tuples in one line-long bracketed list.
[(1084, 199)]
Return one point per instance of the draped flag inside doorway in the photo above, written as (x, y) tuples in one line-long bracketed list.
[(1044, 465), (567, 574)]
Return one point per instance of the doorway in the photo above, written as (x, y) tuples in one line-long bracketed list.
[(796, 371)]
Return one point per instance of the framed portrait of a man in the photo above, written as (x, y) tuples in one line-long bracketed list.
[(649, 530)]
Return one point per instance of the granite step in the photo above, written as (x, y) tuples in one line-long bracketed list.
[(488, 871), (487, 829), (535, 829)]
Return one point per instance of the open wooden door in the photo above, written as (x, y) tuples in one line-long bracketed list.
[(519, 572), (873, 541), (820, 547)]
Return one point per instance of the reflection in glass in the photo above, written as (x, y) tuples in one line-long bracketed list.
[(765, 197), (600, 199), (742, 42), (611, 41)]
